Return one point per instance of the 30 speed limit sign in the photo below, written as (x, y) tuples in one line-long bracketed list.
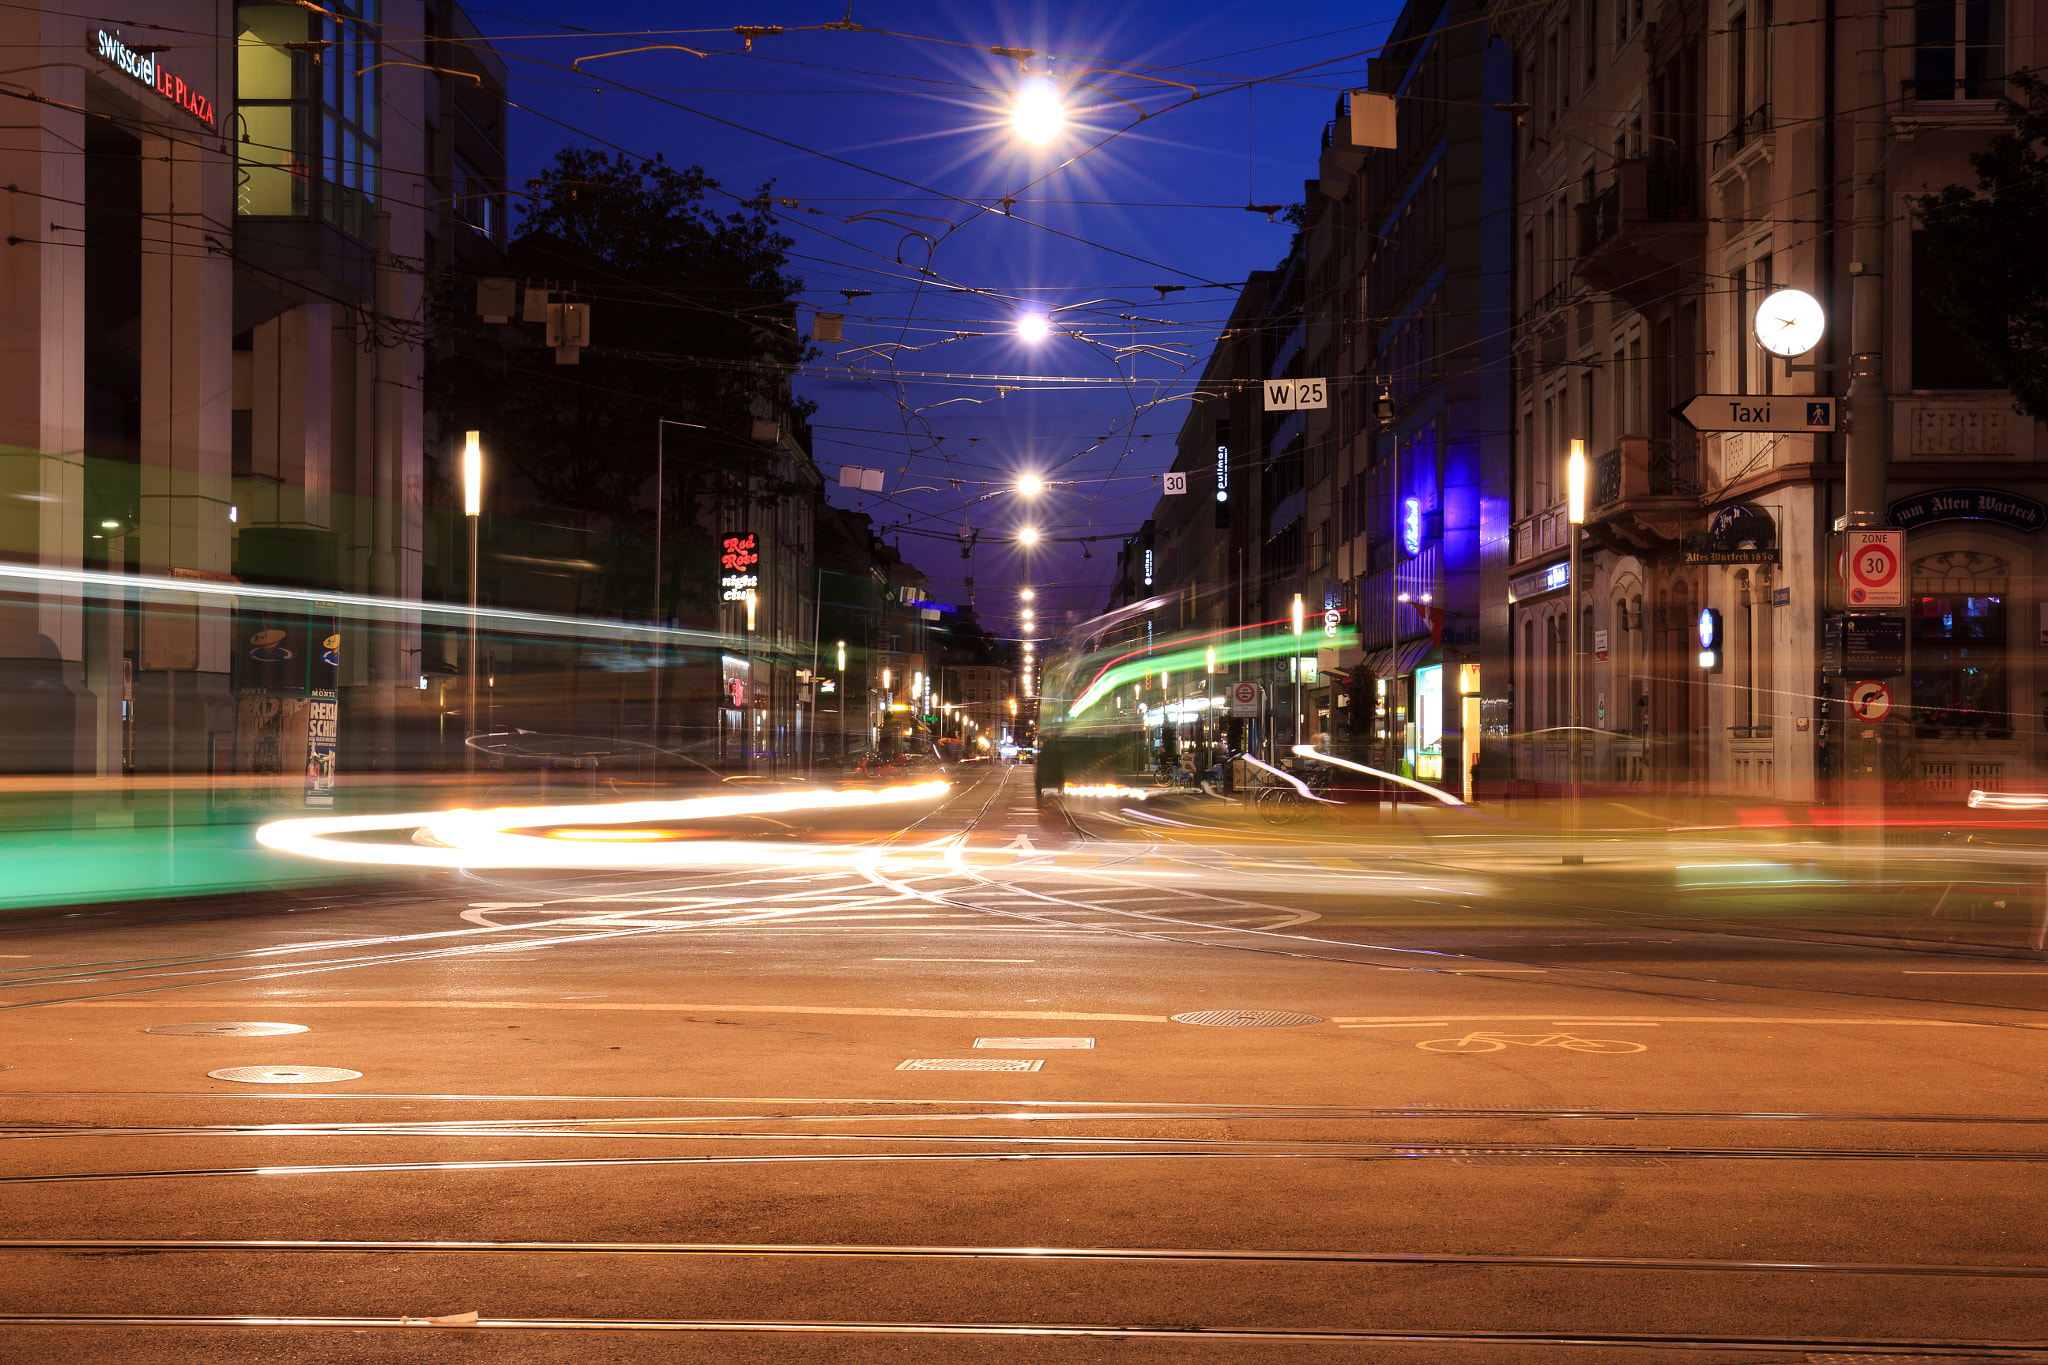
[(1871, 559)]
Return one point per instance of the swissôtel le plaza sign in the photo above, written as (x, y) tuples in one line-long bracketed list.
[(147, 68)]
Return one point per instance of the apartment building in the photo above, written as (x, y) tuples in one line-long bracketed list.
[(1675, 165)]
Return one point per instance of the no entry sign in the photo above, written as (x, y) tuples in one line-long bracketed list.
[(1871, 563), (1244, 699)]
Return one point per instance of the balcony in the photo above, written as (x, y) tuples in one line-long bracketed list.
[(1751, 130), (1647, 490), (1641, 238)]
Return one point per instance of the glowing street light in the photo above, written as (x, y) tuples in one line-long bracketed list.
[(1033, 326), (1036, 115), (1028, 536), (1030, 485), (1028, 594), (472, 510)]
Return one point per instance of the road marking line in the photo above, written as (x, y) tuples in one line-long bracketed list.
[(1475, 971), (953, 959), (1433, 1023), (279, 1002), (1666, 1019), (1914, 971)]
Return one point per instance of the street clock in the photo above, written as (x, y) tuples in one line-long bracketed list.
[(1789, 323)]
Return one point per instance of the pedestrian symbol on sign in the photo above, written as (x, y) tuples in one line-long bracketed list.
[(1820, 415)]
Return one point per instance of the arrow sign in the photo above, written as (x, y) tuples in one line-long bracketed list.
[(1790, 413)]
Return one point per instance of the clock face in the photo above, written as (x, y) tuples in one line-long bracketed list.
[(1789, 322)]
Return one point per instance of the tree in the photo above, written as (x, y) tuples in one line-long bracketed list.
[(1988, 245), (692, 318)]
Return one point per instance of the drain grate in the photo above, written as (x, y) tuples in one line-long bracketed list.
[(1246, 1018), (971, 1064), (284, 1075), (1035, 1044), (1554, 1160), (223, 1030)]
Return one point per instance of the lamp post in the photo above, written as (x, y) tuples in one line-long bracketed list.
[(1575, 514), (1294, 667), (472, 510)]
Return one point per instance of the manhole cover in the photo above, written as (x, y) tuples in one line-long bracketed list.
[(971, 1064), (1246, 1018), (284, 1075), (223, 1030), (1034, 1044)]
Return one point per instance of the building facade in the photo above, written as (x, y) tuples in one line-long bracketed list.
[(1676, 165)]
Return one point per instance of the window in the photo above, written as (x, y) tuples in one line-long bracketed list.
[(306, 130), (271, 112), (1959, 49), (1940, 359), (1959, 667), (476, 201)]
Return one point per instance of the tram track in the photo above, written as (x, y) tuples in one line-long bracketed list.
[(1033, 1254), (2018, 1351)]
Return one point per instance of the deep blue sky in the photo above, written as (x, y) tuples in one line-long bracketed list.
[(879, 138)]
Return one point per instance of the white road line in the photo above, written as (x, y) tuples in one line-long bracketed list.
[(1909, 971), (952, 959), (1624, 1020)]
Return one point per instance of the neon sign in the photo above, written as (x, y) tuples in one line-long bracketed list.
[(739, 557), (151, 72), (1223, 473), (1411, 526), (1148, 568)]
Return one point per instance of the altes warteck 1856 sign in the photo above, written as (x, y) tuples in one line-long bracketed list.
[(1968, 504), (152, 73)]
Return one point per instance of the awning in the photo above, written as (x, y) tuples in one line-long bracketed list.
[(1399, 661)]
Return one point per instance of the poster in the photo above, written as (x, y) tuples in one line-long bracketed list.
[(323, 730)]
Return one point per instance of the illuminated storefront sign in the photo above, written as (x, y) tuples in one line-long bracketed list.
[(738, 561), (1148, 568), (147, 69), (1411, 526)]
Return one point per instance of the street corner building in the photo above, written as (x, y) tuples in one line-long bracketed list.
[(1674, 167), (223, 221)]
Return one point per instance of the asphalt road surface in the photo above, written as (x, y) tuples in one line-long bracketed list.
[(990, 1080)]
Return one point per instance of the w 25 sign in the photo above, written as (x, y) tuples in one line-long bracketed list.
[(1285, 395)]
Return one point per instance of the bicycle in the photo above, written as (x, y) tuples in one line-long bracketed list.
[(1498, 1042), (1282, 803)]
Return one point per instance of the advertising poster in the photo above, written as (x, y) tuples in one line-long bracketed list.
[(323, 731)]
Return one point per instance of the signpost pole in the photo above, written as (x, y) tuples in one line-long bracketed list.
[(1864, 458)]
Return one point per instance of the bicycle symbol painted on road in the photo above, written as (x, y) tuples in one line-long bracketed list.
[(1498, 1042)]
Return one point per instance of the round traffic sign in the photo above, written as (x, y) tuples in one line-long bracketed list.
[(1245, 694), (1870, 702), (1872, 568)]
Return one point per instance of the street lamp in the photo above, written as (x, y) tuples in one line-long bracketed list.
[(1030, 485), (1033, 326), (472, 509), (1295, 666), (1028, 536), (1035, 114), (1575, 514)]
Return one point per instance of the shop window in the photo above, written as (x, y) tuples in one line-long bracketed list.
[(1959, 686)]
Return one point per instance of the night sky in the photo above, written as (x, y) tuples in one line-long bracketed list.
[(895, 148)]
